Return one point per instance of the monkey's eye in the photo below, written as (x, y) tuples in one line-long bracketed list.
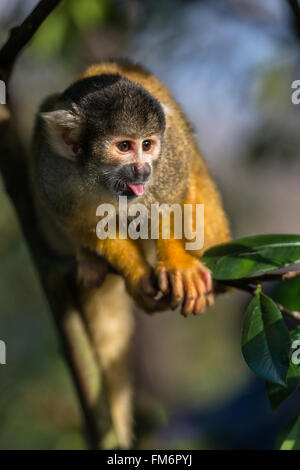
[(147, 145), (124, 146)]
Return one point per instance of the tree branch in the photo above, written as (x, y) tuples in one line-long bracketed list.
[(249, 285), (295, 10), (291, 313), (57, 275), (20, 35), (268, 277)]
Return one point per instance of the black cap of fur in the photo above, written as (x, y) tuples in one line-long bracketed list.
[(113, 105)]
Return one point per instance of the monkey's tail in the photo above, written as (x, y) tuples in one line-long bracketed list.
[(108, 314)]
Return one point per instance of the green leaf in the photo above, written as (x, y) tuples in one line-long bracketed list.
[(289, 437), (277, 393), (287, 293), (266, 340), (252, 255)]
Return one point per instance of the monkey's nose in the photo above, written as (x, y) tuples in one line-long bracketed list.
[(140, 171)]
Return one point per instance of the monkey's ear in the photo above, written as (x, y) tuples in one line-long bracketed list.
[(64, 128), (166, 109)]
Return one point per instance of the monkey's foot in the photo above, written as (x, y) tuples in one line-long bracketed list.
[(92, 269), (189, 282)]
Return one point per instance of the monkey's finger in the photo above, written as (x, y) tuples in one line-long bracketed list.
[(206, 276), (190, 296), (200, 284), (210, 300), (200, 302), (205, 299), (200, 305), (177, 289), (147, 287), (163, 280)]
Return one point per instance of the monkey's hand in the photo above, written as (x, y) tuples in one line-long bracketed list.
[(145, 292), (188, 281), (125, 257), (92, 268)]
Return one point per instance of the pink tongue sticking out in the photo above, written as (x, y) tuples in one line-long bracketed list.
[(137, 189)]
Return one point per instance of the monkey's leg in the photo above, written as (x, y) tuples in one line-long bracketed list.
[(107, 311)]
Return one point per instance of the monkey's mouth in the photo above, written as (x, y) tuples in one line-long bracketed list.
[(130, 189), (136, 188)]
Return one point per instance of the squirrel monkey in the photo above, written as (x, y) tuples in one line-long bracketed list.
[(117, 131)]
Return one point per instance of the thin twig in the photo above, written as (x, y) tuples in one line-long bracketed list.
[(273, 277)]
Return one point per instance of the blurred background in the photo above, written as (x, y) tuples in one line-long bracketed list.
[(230, 65)]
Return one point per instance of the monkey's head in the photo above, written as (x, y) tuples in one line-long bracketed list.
[(110, 130)]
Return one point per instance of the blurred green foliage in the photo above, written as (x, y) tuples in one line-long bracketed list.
[(272, 91), (274, 142), (62, 31), (289, 438)]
